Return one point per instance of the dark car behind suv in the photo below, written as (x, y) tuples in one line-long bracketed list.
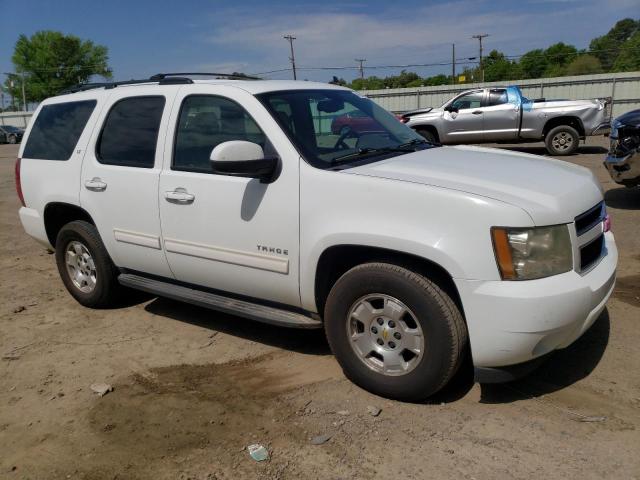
[(10, 134), (623, 160)]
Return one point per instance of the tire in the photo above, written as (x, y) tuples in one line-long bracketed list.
[(13, 139), (562, 140), (98, 286), (429, 312)]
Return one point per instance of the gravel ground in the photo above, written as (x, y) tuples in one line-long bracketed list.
[(193, 388)]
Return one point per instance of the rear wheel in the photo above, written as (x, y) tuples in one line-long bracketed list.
[(562, 140), (12, 139), (394, 332), (85, 267)]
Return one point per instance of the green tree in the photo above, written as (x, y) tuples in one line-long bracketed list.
[(533, 63), (558, 56), (629, 56), (610, 46), (402, 80), (497, 67), (437, 80), (50, 61), (584, 65)]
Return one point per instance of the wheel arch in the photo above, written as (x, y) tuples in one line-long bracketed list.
[(428, 128), (338, 259), (58, 214), (569, 120)]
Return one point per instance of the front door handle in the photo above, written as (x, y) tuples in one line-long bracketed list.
[(179, 196), (95, 185), (476, 112)]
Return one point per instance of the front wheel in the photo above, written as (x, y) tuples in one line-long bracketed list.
[(428, 135), (394, 332), (562, 140), (13, 139)]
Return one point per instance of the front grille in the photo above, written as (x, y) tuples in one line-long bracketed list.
[(589, 219), (590, 232), (591, 253)]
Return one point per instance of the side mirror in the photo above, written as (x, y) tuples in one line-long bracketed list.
[(451, 109), (239, 158)]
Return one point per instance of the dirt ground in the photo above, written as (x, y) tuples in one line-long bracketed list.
[(193, 388)]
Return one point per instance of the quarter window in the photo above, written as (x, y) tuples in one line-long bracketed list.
[(57, 129), (497, 96), (206, 121), (130, 132)]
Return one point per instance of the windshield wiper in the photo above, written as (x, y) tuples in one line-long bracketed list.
[(367, 151)]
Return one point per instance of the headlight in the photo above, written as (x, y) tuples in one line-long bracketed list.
[(529, 253)]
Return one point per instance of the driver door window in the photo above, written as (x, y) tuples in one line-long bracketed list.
[(470, 100)]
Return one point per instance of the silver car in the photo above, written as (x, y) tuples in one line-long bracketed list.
[(504, 115)]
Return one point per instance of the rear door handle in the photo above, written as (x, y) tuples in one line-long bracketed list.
[(95, 185), (179, 196), (476, 112)]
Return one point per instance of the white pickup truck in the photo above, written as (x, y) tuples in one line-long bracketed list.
[(235, 195)]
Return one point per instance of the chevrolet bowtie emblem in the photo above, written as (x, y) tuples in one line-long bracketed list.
[(385, 334)]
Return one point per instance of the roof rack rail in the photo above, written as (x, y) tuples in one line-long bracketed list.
[(160, 78), (235, 75)]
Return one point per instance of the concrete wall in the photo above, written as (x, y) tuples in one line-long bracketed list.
[(16, 119), (624, 88)]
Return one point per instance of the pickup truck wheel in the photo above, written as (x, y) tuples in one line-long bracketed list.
[(85, 266), (394, 332), (428, 135), (562, 140)]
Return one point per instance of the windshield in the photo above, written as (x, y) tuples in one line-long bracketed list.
[(331, 127), (11, 129)]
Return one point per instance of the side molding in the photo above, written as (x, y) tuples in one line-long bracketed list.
[(135, 238), (237, 257)]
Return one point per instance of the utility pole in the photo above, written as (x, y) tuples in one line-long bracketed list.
[(291, 38), (361, 68), (480, 37), (453, 64)]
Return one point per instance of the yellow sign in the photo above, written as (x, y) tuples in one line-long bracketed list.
[(462, 78)]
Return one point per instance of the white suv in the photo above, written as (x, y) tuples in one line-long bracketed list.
[(306, 205)]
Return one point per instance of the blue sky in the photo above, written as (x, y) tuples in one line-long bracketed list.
[(149, 36)]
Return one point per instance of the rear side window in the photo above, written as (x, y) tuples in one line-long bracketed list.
[(130, 132), (56, 131), (205, 122), (497, 96)]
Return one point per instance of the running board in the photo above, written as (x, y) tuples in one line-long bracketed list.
[(241, 308)]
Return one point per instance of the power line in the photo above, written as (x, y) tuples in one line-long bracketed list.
[(458, 61)]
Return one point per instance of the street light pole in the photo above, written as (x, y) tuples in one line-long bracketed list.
[(480, 37), (24, 97), (12, 84), (291, 38)]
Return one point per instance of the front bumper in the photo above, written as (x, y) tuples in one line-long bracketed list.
[(624, 170), (515, 322)]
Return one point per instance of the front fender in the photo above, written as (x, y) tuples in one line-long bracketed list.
[(448, 227)]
